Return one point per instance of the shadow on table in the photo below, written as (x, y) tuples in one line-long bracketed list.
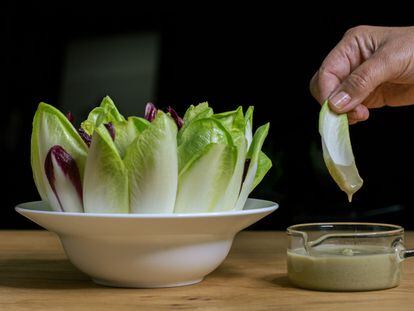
[(42, 274), (227, 271), (281, 281)]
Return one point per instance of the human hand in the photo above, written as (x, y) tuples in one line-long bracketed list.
[(370, 67)]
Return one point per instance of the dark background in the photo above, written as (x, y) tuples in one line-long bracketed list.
[(71, 56)]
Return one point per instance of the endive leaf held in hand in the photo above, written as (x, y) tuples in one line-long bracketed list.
[(337, 150), (105, 185), (51, 128), (151, 161)]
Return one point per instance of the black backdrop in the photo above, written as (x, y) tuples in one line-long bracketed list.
[(261, 56)]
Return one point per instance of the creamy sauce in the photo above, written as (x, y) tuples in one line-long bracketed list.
[(341, 268)]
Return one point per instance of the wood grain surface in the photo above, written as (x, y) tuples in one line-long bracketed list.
[(36, 275)]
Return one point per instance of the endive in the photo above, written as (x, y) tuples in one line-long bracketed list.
[(151, 160), (57, 147), (337, 150), (203, 162), (106, 180)]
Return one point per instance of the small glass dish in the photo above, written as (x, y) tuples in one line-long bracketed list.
[(346, 256)]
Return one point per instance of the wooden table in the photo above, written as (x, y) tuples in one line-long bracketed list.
[(35, 275)]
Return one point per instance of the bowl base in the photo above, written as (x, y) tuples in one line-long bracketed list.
[(145, 285)]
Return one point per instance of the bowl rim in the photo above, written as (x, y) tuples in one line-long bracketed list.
[(269, 206)]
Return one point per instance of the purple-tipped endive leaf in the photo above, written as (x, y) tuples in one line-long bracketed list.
[(70, 117), (151, 161), (105, 184), (85, 136), (111, 129), (63, 176), (150, 112), (51, 128), (178, 120)]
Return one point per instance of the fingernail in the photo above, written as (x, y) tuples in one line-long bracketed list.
[(340, 100)]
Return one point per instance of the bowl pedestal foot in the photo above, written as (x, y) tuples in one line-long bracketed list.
[(145, 285)]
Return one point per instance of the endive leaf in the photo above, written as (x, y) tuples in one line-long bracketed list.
[(150, 112), (232, 120), (105, 113), (62, 173), (178, 120), (151, 160), (264, 164), (140, 124), (127, 131), (196, 137), (112, 112), (105, 185), (248, 117), (235, 123), (337, 150), (207, 155), (203, 185), (199, 111), (50, 128), (253, 156)]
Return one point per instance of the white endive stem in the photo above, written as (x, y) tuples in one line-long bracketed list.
[(337, 150)]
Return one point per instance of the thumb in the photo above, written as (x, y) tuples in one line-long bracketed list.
[(360, 83)]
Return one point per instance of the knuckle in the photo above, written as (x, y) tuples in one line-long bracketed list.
[(357, 31), (323, 71), (358, 81)]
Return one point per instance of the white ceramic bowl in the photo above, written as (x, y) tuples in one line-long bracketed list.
[(146, 250)]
